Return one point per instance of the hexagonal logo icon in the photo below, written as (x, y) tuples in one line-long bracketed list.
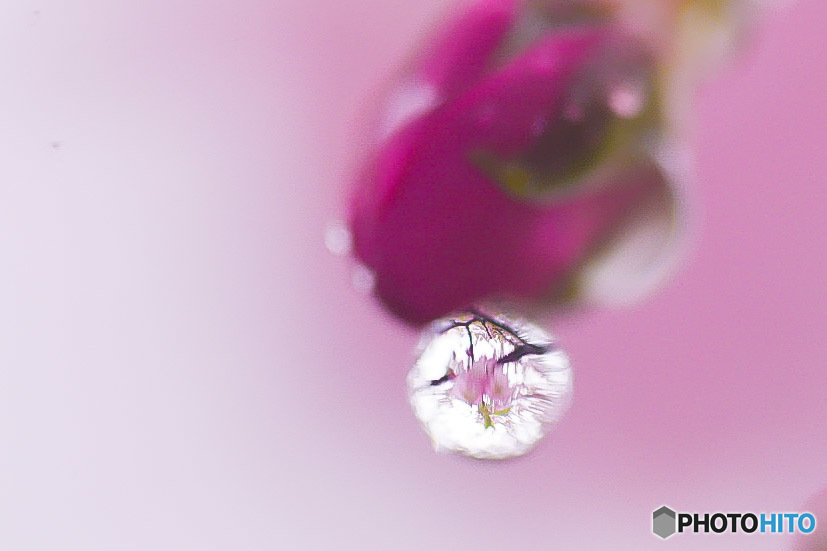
[(664, 522)]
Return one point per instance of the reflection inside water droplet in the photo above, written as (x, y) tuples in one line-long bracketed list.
[(488, 387)]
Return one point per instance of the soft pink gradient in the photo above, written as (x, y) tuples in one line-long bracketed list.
[(184, 366)]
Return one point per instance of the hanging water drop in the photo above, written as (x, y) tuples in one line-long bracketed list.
[(488, 387)]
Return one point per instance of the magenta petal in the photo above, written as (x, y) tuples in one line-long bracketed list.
[(460, 52), (499, 114)]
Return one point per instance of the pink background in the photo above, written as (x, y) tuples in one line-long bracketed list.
[(184, 366)]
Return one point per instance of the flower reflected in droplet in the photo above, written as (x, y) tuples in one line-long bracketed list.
[(488, 388)]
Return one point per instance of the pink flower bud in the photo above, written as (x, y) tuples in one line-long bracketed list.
[(514, 155)]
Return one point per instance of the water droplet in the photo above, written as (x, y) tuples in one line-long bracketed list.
[(626, 101), (364, 280), (487, 387), (338, 239)]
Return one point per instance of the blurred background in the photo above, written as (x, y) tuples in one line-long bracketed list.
[(183, 364)]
